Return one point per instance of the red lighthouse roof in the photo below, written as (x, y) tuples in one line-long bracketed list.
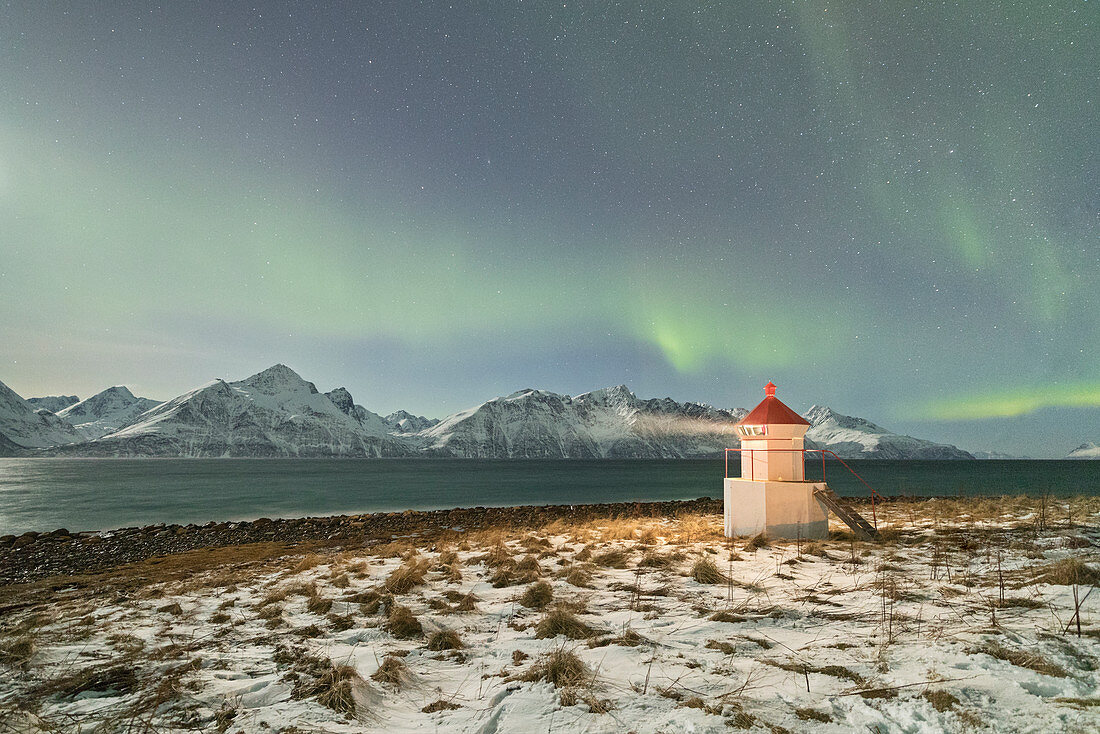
[(772, 411)]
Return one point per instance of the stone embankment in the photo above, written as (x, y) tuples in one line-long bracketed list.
[(34, 556)]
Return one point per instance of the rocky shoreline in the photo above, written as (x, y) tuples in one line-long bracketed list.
[(33, 556)]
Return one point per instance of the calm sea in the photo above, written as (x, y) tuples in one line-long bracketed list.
[(95, 494)]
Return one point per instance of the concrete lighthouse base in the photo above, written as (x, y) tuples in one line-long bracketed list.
[(777, 509)]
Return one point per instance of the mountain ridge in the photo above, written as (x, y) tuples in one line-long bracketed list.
[(106, 411), (276, 412)]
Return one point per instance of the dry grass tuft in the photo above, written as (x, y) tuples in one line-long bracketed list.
[(498, 556), (726, 615), (447, 557), (445, 640), (614, 558), (562, 668), (406, 576), (813, 548), (726, 648), (537, 595), (318, 604), (524, 571), (117, 679), (579, 576), (270, 612), (302, 589), (341, 622), (17, 652), (274, 596), (756, 542), (468, 603), (393, 671), (628, 638), (334, 688), (653, 559), (559, 621), (440, 705), (1069, 572), (1023, 659), (311, 560), (809, 714), (706, 572), (941, 700), (403, 624)]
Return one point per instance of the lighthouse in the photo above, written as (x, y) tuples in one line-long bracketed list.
[(772, 495)]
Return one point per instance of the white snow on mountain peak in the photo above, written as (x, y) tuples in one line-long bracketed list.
[(278, 413), (1087, 450), (851, 437), (53, 403), (271, 413), (24, 426), (402, 421), (107, 411)]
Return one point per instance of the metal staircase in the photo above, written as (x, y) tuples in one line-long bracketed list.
[(846, 513)]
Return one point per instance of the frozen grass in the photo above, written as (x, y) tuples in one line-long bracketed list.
[(941, 700), (318, 604), (444, 640), (407, 576), (757, 542), (17, 652), (537, 595), (1023, 658), (790, 636), (334, 688), (560, 621), (613, 558), (706, 572), (403, 624), (1069, 572), (562, 668), (393, 672)]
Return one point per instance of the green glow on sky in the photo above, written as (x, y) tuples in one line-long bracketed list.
[(867, 201), (1013, 402)]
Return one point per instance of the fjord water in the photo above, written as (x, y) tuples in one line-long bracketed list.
[(97, 494)]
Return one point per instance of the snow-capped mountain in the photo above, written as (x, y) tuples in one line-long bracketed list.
[(24, 426), (609, 423), (403, 421), (371, 422), (53, 403), (1087, 450), (995, 455), (106, 412), (271, 413), (856, 438), (277, 413)]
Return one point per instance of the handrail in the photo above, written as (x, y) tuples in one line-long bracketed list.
[(752, 470)]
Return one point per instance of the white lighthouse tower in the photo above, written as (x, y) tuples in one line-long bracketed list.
[(772, 495)]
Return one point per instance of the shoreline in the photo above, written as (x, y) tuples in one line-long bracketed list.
[(34, 556)]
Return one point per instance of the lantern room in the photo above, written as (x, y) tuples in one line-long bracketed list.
[(772, 440)]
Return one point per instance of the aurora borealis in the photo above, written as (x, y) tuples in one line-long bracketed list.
[(892, 208)]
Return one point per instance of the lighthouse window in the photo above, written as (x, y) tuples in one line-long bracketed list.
[(753, 431)]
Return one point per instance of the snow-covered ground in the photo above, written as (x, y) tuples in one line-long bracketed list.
[(959, 619)]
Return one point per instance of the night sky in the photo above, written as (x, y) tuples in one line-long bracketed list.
[(891, 208)]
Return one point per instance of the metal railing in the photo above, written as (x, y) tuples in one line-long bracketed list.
[(823, 452)]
